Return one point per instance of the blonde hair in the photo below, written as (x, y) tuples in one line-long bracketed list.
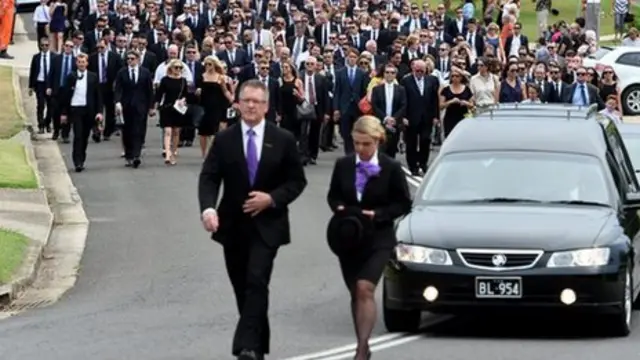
[(174, 62), (217, 64), (370, 125)]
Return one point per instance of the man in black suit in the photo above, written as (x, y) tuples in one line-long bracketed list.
[(82, 112), (558, 87), (160, 47), (133, 98), (272, 85), (39, 83), (106, 65), (234, 57), (195, 112), (148, 59), (350, 86), (316, 91), (423, 111), (252, 221), (389, 102), (62, 66)]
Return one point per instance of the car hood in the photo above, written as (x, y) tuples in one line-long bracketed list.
[(508, 226)]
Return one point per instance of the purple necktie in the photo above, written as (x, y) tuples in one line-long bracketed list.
[(252, 156)]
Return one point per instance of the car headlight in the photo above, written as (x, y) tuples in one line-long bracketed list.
[(582, 257), (422, 255)]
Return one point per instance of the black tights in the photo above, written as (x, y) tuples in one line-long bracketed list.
[(363, 311)]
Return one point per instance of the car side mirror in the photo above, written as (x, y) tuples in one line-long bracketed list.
[(632, 201)]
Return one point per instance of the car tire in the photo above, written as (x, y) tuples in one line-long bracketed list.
[(619, 324), (631, 94), (399, 320)]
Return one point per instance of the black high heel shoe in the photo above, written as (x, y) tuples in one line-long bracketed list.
[(368, 355)]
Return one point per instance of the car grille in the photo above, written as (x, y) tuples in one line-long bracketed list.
[(499, 260)]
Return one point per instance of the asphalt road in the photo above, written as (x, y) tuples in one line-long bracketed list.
[(153, 286)]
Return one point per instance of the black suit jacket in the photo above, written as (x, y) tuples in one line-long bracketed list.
[(387, 194), (379, 102), (34, 69), (94, 95), (150, 61), (322, 93), (56, 73), (114, 64), (554, 97), (280, 174), (422, 109), (136, 97)]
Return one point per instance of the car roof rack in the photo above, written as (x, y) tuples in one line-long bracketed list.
[(545, 111)]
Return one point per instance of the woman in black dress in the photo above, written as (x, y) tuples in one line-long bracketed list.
[(375, 183), (215, 97), (457, 98), (291, 95), (171, 91)]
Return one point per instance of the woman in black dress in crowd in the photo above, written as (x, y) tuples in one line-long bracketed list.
[(609, 86), (215, 97), (375, 183), (291, 94), (171, 90), (457, 98)]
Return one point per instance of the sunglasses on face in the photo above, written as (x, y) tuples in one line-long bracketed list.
[(608, 72), (264, 68), (131, 59), (390, 72), (581, 73)]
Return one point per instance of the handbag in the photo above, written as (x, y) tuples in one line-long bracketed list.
[(365, 106), (306, 111)]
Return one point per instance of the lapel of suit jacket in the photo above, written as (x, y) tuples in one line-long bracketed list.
[(239, 153), (268, 144)]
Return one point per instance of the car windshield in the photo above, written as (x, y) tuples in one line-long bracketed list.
[(516, 176), (632, 143), (600, 53)]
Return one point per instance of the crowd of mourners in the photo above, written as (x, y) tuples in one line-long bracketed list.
[(420, 69)]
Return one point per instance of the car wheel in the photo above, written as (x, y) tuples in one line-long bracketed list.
[(631, 100), (399, 320), (620, 323)]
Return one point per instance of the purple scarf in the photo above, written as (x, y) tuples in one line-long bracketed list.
[(364, 171)]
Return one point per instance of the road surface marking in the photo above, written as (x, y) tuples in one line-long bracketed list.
[(413, 180), (377, 343)]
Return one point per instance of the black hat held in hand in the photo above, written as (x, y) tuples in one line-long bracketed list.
[(348, 230)]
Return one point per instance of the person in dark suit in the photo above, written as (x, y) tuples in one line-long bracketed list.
[(39, 83), (106, 65), (234, 57), (148, 59), (582, 93), (350, 85), (252, 221), (518, 37), (82, 112), (376, 184), (196, 112), (423, 110), (558, 88), (63, 65), (133, 98), (317, 93), (389, 102), (272, 85)]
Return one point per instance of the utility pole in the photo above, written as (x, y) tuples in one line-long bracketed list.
[(592, 17)]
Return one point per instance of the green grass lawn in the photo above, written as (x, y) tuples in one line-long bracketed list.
[(10, 121), (568, 11), (13, 247), (15, 171)]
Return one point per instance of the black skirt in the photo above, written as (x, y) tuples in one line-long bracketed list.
[(365, 264)]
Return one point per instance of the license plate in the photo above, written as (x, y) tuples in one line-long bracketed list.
[(499, 287)]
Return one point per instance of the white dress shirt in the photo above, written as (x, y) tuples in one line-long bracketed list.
[(258, 137), (41, 14), (45, 65), (388, 95), (79, 97)]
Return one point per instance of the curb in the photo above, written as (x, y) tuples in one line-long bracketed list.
[(28, 270)]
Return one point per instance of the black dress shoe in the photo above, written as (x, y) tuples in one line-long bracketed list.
[(249, 355), (106, 138), (313, 161), (55, 136), (41, 130), (96, 137), (79, 168), (65, 140), (128, 163), (136, 163)]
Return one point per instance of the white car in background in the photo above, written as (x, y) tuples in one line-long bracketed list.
[(625, 61)]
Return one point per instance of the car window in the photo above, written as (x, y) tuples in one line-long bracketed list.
[(630, 58), (632, 143), (541, 176), (624, 164)]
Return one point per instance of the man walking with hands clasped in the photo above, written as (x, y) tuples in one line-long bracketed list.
[(262, 174)]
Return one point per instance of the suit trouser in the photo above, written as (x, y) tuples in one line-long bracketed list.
[(195, 115), (313, 145), (327, 132), (303, 138), (249, 263), (133, 133), (82, 122), (390, 147), (418, 142), (109, 109), (41, 32), (346, 125), (59, 128), (43, 105)]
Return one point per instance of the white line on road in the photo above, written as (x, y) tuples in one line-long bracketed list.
[(377, 343), (413, 180)]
